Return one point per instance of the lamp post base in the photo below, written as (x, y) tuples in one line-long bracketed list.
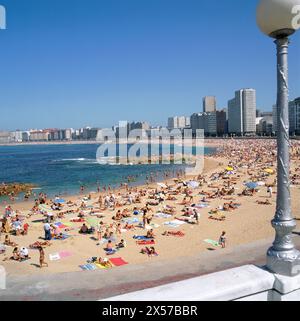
[(284, 262)]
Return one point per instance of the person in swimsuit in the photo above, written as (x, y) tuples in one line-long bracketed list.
[(222, 240), (42, 257)]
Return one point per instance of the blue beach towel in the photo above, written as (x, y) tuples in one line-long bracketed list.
[(141, 237), (64, 237), (88, 267)]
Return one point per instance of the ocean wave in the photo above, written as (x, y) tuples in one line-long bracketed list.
[(89, 161), (73, 159)]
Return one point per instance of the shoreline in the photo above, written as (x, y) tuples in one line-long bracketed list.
[(211, 165)]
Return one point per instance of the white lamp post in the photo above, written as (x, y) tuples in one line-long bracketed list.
[(278, 19)]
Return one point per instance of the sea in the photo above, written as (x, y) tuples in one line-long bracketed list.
[(62, 169)]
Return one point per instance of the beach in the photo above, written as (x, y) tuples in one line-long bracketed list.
[(229, 170)]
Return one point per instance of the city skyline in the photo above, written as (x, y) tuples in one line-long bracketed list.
[(213, 122), (73, 66)]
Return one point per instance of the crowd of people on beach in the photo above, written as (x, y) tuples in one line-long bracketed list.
[(155, 208)]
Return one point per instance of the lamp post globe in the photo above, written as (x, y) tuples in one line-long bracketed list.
[(278, 18)]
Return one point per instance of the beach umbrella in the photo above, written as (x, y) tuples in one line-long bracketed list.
[(193, 184), (251, 185), (229, 169)]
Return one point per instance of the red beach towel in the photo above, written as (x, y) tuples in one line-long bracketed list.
[(118, 261), (145, 242)]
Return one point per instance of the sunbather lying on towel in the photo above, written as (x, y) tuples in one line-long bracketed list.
[(149, 251), (78, 220), (266, 202), (221, 218), (104, 262), (145, 242), (129, 227), (38, 244), (216, 215), (172, 233)]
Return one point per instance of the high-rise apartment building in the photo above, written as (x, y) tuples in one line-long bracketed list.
[(242, 112), (178, 122), (221, 116), (209, 104), (205, 121)]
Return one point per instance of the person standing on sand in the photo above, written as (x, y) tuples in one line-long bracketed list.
[(196, 216), (47, 229), (100, 202), (42, 257), (144, 218), (270, 191), (222, 240)]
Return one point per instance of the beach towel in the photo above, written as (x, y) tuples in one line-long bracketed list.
[(88, 267), (178, 222), (59, 201), (118, 261), (59, 255), (145, 242), (64, 237), (92, 221), (111, 252), (54, 257), (60, 225), (131, 220), (212, 242), (162, 215), (170, 224), (64, 254), (141, 237), (67, 224), (100, 266), (201, 206)]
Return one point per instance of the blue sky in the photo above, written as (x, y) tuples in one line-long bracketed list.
[(73, 63)]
